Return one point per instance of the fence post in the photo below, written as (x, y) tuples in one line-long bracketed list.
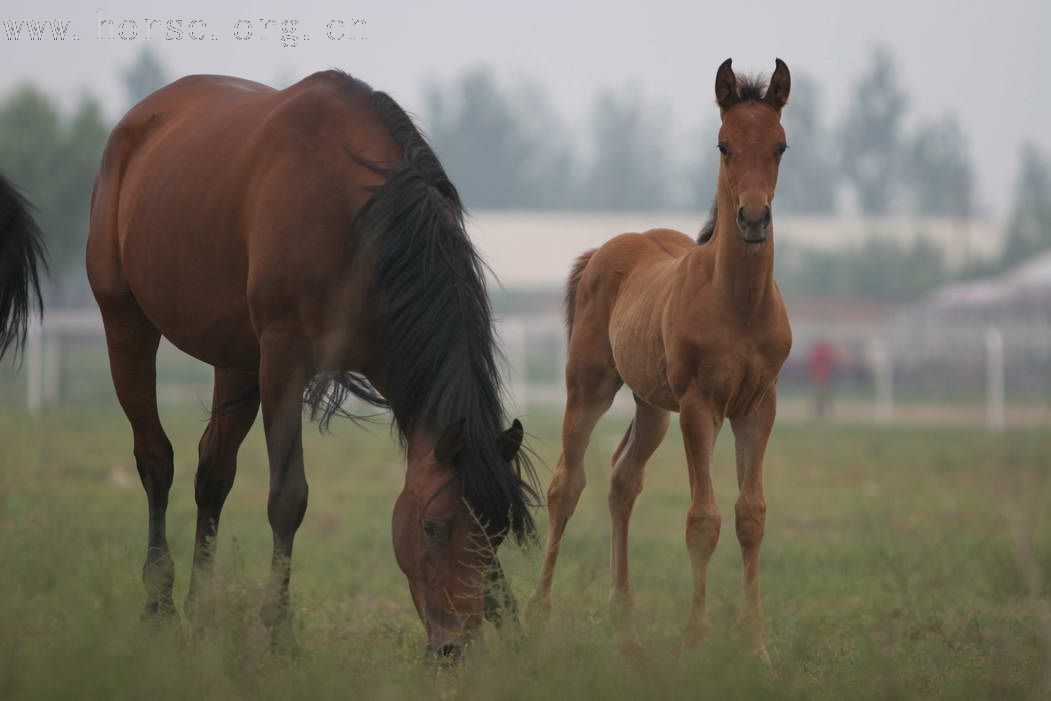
[(995, 413), (513, 339), (883, 370), (34, 359), (52, 367)]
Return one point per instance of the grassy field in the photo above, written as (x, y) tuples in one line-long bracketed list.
[(897, 564)]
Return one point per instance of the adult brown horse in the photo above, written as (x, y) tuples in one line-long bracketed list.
[(22, 260), (308, 245), (696, 327)]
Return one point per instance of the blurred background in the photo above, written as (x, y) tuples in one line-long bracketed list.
[(908, 540), (913, 214)]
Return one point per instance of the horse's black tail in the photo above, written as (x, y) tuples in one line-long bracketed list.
[(22, 260)]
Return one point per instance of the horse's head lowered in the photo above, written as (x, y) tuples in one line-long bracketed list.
[(751, 141), (445, 549)]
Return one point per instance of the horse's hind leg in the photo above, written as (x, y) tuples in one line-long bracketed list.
[(644, 435), (235, 403), (750, 437), (132, 342), (282, 378), (591, 384)]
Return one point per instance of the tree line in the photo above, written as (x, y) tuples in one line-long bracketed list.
[(508, 147)]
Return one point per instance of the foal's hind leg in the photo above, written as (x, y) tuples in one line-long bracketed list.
[(132, 342), (235, 403), (591, 386), (750, 436), (643, 437)]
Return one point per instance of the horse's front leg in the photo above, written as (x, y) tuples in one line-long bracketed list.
[(235, 404), (700, 424), (282, 377), (750, 436)]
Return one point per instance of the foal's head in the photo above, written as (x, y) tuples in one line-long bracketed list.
[(447, 550), (751, 141)]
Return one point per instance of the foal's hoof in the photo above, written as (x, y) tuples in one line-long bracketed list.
[(629, 644), (538, 608), (694, 639), (763, 656)]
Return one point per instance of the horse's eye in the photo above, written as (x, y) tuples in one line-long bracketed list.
[(781, 148), (435, 531), (723, 148)]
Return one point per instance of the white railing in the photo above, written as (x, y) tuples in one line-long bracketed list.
[(537, 342)]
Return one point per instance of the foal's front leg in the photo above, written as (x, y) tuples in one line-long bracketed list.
[(750, 436), (700, 424), (282, 378)]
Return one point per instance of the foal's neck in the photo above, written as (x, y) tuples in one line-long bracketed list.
[(744, 272)]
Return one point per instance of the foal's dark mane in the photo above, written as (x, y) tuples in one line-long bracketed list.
[(750, 88), (435, 325), (708, 230)]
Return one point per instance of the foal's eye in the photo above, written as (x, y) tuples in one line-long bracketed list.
[(723, 149), (781, 148)]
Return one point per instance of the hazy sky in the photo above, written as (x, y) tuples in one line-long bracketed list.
[(985, 61)]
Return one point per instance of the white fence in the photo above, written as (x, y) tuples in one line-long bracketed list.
[(534, 349)]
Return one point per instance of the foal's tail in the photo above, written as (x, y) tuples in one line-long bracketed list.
[(22, 259), (571, 287)]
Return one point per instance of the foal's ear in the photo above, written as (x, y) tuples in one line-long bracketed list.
[(451, 443), (780, 84), (726, 86), (510, 441)]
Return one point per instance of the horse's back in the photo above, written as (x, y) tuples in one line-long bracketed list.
[(213, 182)]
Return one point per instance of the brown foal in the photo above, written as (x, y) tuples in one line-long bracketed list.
[(697, 327)]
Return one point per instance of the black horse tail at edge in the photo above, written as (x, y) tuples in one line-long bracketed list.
[(23, 259)]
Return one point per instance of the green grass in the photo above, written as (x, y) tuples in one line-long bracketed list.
[(897, 564)]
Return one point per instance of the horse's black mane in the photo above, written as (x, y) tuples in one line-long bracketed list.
[(435, 331)]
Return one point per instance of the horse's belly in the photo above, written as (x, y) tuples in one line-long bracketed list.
[(193, 293)]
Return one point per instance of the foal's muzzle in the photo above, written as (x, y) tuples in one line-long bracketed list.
[(754, 225)]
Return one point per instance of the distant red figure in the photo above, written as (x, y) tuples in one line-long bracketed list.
[(821, 362)]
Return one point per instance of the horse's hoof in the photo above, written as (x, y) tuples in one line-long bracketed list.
[(160, 613), (282, 638), (284, 643)]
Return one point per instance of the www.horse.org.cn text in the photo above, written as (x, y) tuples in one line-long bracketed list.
[(287, 32)]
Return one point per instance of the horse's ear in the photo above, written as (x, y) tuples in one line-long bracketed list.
[(510, 441), (451, 442), (780, 84), (726, 86)]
